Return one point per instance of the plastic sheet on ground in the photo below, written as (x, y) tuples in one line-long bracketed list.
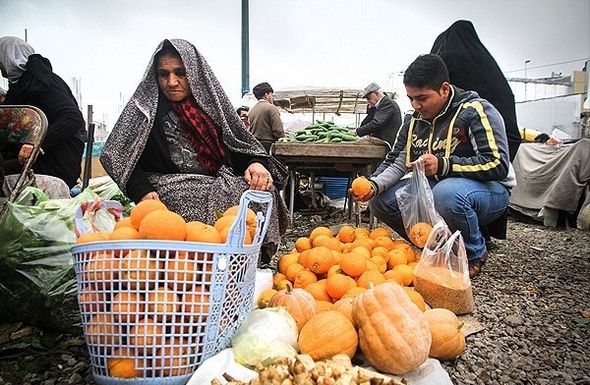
[(37, 283), (429, 373)]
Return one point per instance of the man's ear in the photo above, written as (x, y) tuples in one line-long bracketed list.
[(445, 89)]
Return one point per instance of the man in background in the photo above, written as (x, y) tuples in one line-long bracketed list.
[(265, 120), (385, 120), (243, 114)]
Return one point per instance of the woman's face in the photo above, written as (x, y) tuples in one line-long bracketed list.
[(172, 78)]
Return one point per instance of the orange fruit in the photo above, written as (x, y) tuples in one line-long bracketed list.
[(384, 241), (335, 269), (369, 277), (127, 307), (394, 276), (419, 233), (163, 225), (397, 256), (173, 358), (102, 269), (361, 232), (287, 260), (302, 243), (408, 251), (200, 232), (93, 237), (365, 242), (224, 233), (323, 306), (319, 260), (163, 302), (338, 284), (380, 263), (353, 292), (250, 215), (416, 298), (139, 270), (318, 290), (320, 230), (91, 301), (346, 234), (145, 333), (123, 222), (143, 208), (181, 271), (265, 297), (353, 264), (380, 232), (362, 251), (124, 233), (102, 330), (225, 221), (278, 277), (121, 364), (329, 242), (361, 186), (304, 278), (406, 273), (380, 251), (292, 271), (196, 302)]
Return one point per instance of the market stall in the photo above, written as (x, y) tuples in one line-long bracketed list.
[(329, 159)]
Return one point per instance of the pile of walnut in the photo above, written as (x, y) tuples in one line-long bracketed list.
[(303, 370)]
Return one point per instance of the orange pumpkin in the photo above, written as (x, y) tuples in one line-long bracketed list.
[(419, 233), (448, 341), (327, 334), (401, 340), (298, 302)]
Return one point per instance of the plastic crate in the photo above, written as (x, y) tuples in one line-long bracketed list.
[(159, 309)]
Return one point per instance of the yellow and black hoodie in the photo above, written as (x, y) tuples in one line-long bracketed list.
[(476, 147)]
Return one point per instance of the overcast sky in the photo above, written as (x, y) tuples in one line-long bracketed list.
[(293, 43)]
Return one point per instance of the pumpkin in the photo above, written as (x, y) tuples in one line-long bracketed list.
[(327, 334), (393, 332), (344, 306), (298, 302), (448, 341)]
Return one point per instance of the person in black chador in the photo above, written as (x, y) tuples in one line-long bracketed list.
[(472, 67), (32, 81)]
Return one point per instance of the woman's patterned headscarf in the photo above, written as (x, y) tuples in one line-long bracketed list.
[(130, 134)]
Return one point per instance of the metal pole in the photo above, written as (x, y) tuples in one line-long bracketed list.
[(89, 145), (26, 34), (525, 78), (245, 49)]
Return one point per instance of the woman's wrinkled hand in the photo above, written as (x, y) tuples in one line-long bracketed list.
[(258, 177), (151, 195), (25, 153)]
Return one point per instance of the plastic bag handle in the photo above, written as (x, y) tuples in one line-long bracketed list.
[(237, 232), (115, 207)]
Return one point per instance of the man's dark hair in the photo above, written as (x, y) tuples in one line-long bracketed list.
[(261, 89), (427, 71), (242, 108)]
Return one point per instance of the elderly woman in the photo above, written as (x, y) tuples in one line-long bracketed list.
[(32, 81), (179, 140)]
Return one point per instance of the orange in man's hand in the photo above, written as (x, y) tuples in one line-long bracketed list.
[(361, 186)]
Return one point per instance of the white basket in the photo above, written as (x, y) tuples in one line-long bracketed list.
[(161, 308)]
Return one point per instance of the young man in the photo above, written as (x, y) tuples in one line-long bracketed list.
[(383, 116), (462, 140), (265, 120)]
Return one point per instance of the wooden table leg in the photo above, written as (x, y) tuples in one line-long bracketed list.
[(292, 182)]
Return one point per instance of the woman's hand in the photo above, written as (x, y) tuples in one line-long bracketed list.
[(25, 153), (150, 195), (258, 177)]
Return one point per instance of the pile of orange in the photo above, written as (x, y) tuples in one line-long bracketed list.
[(133, 299), (333, 267)]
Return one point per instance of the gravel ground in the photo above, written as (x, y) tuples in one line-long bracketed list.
[(531, 299)]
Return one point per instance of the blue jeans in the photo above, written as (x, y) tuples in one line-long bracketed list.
[(464, 204)]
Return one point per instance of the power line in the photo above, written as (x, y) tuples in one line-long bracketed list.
[(548, 65)]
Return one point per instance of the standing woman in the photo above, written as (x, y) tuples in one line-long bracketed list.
[(32, 82), (180, 141)]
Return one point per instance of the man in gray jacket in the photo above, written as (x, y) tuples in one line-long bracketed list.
[(383, 119), (265, 120)]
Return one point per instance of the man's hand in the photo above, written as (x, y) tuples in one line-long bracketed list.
[(258, 177), (151, 195), (430, 164), (25, 153), (364, 198)]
